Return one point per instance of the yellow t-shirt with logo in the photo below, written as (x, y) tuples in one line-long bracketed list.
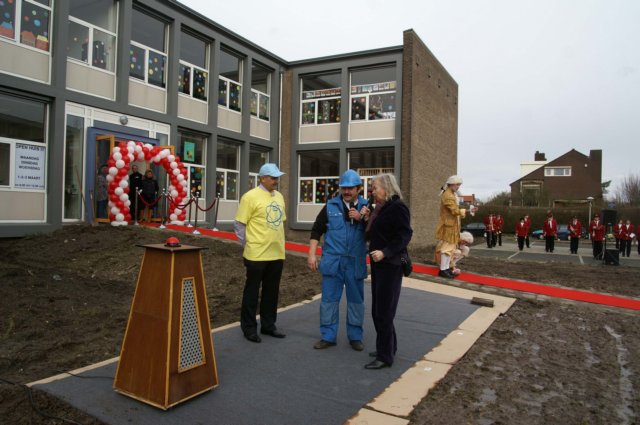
[(263, 214)]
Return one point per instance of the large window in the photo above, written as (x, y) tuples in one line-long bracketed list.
[(320, 103), (257, 158), (147, 53), (22, 143), (227, 166), (319, 176), (229, 86), (373, 94), (92, 33), (193, 76), (73, 154), (260, 91), (191, 149), (557, 171), (33, 24), (369, 163)]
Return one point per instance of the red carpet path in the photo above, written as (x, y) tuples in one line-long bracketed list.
[(535, 288)]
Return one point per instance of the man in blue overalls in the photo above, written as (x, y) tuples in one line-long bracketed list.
[(342, 221)]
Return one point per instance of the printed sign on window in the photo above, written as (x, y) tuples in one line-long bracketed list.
[(29, 166)]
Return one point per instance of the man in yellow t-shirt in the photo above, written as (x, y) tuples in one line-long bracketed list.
[(259, 226)]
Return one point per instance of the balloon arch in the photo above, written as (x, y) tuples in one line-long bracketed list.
[(118, 179)]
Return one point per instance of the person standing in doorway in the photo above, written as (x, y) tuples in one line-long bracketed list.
[(102, 196), (343, 264), (549, 232), (150, 188), (596, 232), (259, 226), (575, 232), (135, 183)]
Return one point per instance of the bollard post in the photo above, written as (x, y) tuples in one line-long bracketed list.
[(195, 230)]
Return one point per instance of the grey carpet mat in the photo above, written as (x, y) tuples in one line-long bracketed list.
[(283, 381)]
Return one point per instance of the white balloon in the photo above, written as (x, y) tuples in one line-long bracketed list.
[(118, 191), (113, 171), (131, 157), (174, 193), (120, 217), (117, 156), (148, 146), (138, 148), (184, 183), (119, 163), (124, 197), (130, 149), (173, 165), (124, 183), (115, 210), (173, 217), (109, 178), (177, 211), (180, 177), (171, 158), (127, 203), (176, 172), (116, 149), (165, 153)]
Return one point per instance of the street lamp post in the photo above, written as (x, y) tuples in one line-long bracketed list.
[(590, 199)]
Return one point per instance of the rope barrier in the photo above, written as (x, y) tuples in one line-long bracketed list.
[(149, 204), (208, 208)]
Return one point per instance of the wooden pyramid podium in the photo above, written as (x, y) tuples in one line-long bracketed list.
[(167, 352)]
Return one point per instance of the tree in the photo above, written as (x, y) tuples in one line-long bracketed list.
[(628, 192), (502, 198)]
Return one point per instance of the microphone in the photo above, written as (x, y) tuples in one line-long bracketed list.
[(351, 205), (370, 202)]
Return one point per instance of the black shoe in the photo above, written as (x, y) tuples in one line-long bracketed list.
[(446, 273), (322, 344), (253, 337), (373, 354), (357, 345), (376, 364), (274, 333)]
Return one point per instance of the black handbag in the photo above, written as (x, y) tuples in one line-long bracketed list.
[(407, 267)]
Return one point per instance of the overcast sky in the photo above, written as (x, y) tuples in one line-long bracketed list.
[(547, 75)]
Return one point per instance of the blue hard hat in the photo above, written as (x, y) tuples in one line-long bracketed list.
[(350, 179), (270, 170)]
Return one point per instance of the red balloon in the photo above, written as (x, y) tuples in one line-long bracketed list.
[(178, 159), (113, 197), (113, 185), (122, 171), (126, 189), (111, 162), (127, 217)]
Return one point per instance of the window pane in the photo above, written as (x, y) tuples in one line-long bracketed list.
[(232, 185), (190, 148), (196, 180), (200, 84), (382, 106), (193, 50), (253, 106), (35, 26), (371, 159), (324, 163), (308, 113), (220, 183), (229, 66), (257, 159), (259, 79), (156, 69), (184, 79), (101, 13), (8, 19), (373, 75), (222, 92), (264, 107), (5, 162), (73, 168), (104, 47), (148, 30), (329, 111), (227, 156), (22, 119), (324, 81), (235, 92), (78, 42), (136, 62)]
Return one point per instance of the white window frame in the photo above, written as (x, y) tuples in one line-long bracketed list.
[(12, 165), (314, 180), (315, 101), (146, 65), (192, 79), (18, 28), (261, 94), (551, 171), (226, 105), (368, 97), (93, 28)]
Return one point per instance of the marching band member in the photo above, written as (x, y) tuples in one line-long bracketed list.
[(527, 221), (625, 238), (499, 226), (522, 232), (575, 231), (617, 233), (596, 232), (549, 232), (490, 228)]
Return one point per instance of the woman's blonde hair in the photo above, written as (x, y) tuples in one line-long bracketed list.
[(388, 182)]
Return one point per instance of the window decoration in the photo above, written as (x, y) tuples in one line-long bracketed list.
[(32, 26), (191, 148), (92, 37), (229, 87), (147, 57), (227, 170), (193, 74), (373, 101), (319, 180)]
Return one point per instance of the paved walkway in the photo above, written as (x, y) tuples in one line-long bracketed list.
[(509, 251)]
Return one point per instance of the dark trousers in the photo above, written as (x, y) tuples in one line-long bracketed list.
[(625, 247), (500, 238), (490, 237), (549, 243), (527, 241), (520, 242), (618, 243), (386, 282), (268, 274), (574, 245), (597, 250)]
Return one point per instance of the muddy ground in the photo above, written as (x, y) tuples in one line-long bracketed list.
[(65, 299)]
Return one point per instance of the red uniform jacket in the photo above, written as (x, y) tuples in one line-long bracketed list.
[(490, 223), (550, 227), (522, 229), (596, 230), (617, 230), (626, 231), (575, 229), (527, 221), (499, 223)]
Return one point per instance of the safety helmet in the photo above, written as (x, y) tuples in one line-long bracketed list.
[(172, 242), (350, 179)]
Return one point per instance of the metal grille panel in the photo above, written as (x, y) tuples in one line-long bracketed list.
[(191, 352)]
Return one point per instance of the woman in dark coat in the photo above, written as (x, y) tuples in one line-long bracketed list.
[(389, 232)]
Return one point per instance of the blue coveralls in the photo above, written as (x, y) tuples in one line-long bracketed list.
[(343, 263)]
